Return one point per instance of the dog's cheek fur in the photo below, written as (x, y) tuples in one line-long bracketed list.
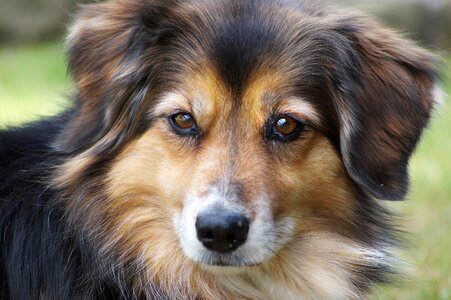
[(297, 181), (141, 192)]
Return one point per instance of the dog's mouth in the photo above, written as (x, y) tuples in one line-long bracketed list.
[(225, 264), (218, 260)]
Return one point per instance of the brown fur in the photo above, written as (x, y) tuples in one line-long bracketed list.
[(364, 93)]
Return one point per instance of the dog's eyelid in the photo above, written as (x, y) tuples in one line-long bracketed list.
[(297, 117), (301, 118), (179, 111)]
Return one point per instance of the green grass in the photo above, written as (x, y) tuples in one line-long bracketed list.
[(33, 83)]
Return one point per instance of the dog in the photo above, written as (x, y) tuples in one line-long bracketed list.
[(216, 150)]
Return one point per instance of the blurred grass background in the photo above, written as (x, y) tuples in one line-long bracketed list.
[(34, 83)]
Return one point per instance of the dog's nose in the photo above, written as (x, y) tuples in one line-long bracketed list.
[(222, 231)]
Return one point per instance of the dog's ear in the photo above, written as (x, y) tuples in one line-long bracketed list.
[(384, 103), (110, 53)]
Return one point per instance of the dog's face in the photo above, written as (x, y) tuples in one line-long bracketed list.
[(231, 134), (238, 176)]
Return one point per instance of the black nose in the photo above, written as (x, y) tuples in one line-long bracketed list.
[(222, 231)]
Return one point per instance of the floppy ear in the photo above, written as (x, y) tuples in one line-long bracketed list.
[(383, 107), (111, 61)]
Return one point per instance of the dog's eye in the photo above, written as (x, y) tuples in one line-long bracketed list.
[(184, 123), (284, 128), (285, 125)]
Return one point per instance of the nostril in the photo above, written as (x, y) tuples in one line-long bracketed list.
[(208, 235), (207, 238), (205, 234), (222, 231), (231, 238)]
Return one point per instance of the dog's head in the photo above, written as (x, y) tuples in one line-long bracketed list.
[(235, 129)]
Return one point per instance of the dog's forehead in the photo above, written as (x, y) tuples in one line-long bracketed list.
[(245, 55), (238, 45)]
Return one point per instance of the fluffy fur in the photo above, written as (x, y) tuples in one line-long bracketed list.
[(99, 202)]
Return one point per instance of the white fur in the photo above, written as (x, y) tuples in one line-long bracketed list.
[(265, 235), (438, 95), (318, 266), (304, 109), (93, 23)]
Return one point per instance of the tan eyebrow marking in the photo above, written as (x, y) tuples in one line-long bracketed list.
[(301, 108), (170, 101), (200, 106)]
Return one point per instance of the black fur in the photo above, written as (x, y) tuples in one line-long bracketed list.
[(42, 256), (37, 255)]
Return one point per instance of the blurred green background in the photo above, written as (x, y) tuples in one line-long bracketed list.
[(34, 83)]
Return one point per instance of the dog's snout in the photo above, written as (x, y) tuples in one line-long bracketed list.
[(222, 231)]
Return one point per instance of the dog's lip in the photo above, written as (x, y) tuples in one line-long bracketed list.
[(224, 264), (225, 260)]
